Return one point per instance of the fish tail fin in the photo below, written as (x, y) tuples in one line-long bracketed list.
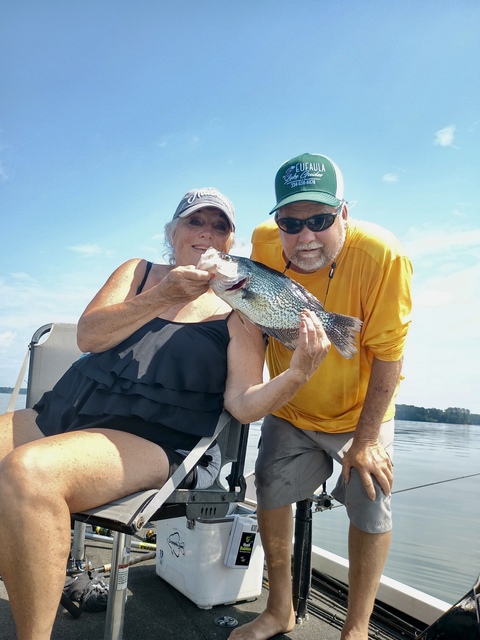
[(341, 331)]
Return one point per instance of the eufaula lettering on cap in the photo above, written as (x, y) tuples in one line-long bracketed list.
[(304, 171), (310, 177), (206, 197)]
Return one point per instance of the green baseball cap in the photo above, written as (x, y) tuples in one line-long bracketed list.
[(308, 177)]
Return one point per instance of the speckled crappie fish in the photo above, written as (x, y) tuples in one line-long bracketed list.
[(273, 302)]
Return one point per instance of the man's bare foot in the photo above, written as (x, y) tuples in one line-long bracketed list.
[(265, 626)]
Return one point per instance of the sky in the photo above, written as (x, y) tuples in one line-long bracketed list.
[(111, 110)]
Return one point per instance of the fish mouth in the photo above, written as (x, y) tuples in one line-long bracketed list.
[(237, 285)]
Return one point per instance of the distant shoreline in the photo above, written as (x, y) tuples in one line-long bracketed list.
[(10, 390)]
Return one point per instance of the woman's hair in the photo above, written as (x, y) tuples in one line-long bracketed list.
[(169, 253), (169, 230)]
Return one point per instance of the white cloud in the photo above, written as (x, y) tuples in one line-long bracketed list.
[(433, 298), (164, 141), (89, 250), (444, 137), (21, 276), (3, 174), (440, 365), (6, 339), (86, 249), (428, 240), (26, 305), (390, 177)]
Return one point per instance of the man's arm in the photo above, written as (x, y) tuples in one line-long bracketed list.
[(366, 454)]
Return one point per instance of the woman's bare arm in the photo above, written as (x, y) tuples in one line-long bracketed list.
[(247, 397), (116, 311)]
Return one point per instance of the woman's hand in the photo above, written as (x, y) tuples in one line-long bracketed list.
[(182, 285), (313, 345)]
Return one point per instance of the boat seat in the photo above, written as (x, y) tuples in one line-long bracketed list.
[(52, 350)]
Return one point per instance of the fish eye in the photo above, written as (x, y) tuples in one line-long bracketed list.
[(226, 257)]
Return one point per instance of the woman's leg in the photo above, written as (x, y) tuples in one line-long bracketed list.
[(41, 483), (17, 428)]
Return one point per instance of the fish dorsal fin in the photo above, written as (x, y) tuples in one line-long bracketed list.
[(310, 300)]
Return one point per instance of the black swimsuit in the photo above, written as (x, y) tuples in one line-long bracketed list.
[(164, 383)]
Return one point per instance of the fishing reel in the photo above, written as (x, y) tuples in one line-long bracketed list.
[(322, 501)]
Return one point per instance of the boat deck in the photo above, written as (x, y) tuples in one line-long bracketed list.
[(155, 610)]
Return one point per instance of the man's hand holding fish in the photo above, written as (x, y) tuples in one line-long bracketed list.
[(311, 347)]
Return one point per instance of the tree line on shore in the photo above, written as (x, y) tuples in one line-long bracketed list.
[(452, 415)]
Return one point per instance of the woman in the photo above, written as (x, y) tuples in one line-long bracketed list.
[(165, 355)]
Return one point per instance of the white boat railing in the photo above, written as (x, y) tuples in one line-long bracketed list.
[(415, 603)]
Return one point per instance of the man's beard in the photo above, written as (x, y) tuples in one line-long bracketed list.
[(322, 257)]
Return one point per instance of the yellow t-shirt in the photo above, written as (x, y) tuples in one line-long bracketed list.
[(372, 282)]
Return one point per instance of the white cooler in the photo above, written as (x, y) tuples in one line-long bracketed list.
[(219, 561)]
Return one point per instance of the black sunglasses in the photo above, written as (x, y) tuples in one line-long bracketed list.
[(317, 223)]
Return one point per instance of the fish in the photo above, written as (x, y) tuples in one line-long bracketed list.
[(273, 302)]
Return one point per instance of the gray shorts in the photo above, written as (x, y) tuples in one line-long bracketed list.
[(293, 463), (203, 474)]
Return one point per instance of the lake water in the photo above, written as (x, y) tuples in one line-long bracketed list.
[(436, 509)]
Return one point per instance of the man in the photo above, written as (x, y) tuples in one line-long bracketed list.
[(345, 411)]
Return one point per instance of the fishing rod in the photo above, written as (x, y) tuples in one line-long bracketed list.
[(136, 544), (324, 500), (431, 484)]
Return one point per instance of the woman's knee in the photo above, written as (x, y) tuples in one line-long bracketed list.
[(16, 429), (25, 473)]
